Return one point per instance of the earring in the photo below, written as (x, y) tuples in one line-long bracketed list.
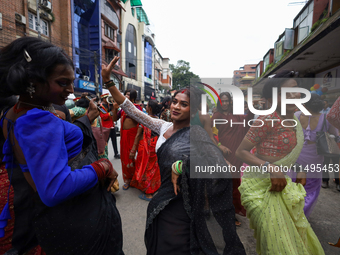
[(31, 89)]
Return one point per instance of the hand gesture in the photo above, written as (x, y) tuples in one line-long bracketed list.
[(106, 69), (92, 111)]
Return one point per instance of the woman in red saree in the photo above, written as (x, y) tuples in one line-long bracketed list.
[(147, 176), (127, 139), (231, 136)]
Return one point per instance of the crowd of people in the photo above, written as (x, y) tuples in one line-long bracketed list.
[(57, 185)]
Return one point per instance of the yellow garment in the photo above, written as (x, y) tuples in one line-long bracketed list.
[(279, 223), (214, 129)]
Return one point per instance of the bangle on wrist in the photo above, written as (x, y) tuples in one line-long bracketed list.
[(218, 144), (266, 164), (109, 84), (179, 168), (174, 170)]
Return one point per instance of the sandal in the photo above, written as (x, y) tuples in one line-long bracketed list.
[(126, 186), (335, 245), (237, 223), (144, 197)]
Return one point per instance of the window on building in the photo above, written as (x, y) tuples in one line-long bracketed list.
[(109, 55), (33, 24), (304, 22), (129, 47), (265, 62), (253, 67), (109, 31)]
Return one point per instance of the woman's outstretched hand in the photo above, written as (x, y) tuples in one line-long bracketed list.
[(106, 69)]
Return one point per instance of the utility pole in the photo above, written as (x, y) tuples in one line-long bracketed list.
[(96, 78), (38, 19)]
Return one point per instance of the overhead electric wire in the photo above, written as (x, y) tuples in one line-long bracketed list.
[(10, 32)]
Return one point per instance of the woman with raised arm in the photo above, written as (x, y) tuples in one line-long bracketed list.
[(176, 223), (62, 198), (273, 202)]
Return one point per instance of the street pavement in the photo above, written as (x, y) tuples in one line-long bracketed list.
[(325, 219)]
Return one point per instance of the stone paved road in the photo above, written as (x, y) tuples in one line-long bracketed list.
[(325, 218)]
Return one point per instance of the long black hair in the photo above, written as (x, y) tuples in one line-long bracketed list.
[(155, 107), (28, 59), (219, 106)]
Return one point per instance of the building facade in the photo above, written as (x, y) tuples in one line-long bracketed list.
[(248, 69), (19, 18)]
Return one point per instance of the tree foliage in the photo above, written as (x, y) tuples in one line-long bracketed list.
[(181, 74)]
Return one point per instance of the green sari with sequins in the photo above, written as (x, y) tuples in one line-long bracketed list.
[(279, 223)]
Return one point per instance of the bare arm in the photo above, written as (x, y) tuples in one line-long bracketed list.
[(126, 105), (138, 137), (206, 121)]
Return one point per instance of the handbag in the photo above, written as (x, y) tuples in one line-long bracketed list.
[(101, 134), (325, 143)]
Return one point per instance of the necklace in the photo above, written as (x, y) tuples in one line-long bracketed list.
[(45, 108), (50, 109)]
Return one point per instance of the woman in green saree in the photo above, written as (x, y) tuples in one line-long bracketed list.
[(273, 202)]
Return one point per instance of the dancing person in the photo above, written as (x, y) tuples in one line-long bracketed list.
[(333, 117), (107, 122), (7, 196), (273, 202), (231, 137), (165, 111), (147, 177), (309, 157), (61, 194), (176, 223), (128, 138)]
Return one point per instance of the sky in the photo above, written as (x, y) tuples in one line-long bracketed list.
[(220, 36)]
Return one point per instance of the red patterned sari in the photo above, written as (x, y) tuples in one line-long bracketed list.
[(6, 241), (147, 177)]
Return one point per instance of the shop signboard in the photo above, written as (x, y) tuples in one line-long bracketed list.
[(88, 85)]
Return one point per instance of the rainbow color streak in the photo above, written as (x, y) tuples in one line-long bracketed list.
[(213, 90)]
